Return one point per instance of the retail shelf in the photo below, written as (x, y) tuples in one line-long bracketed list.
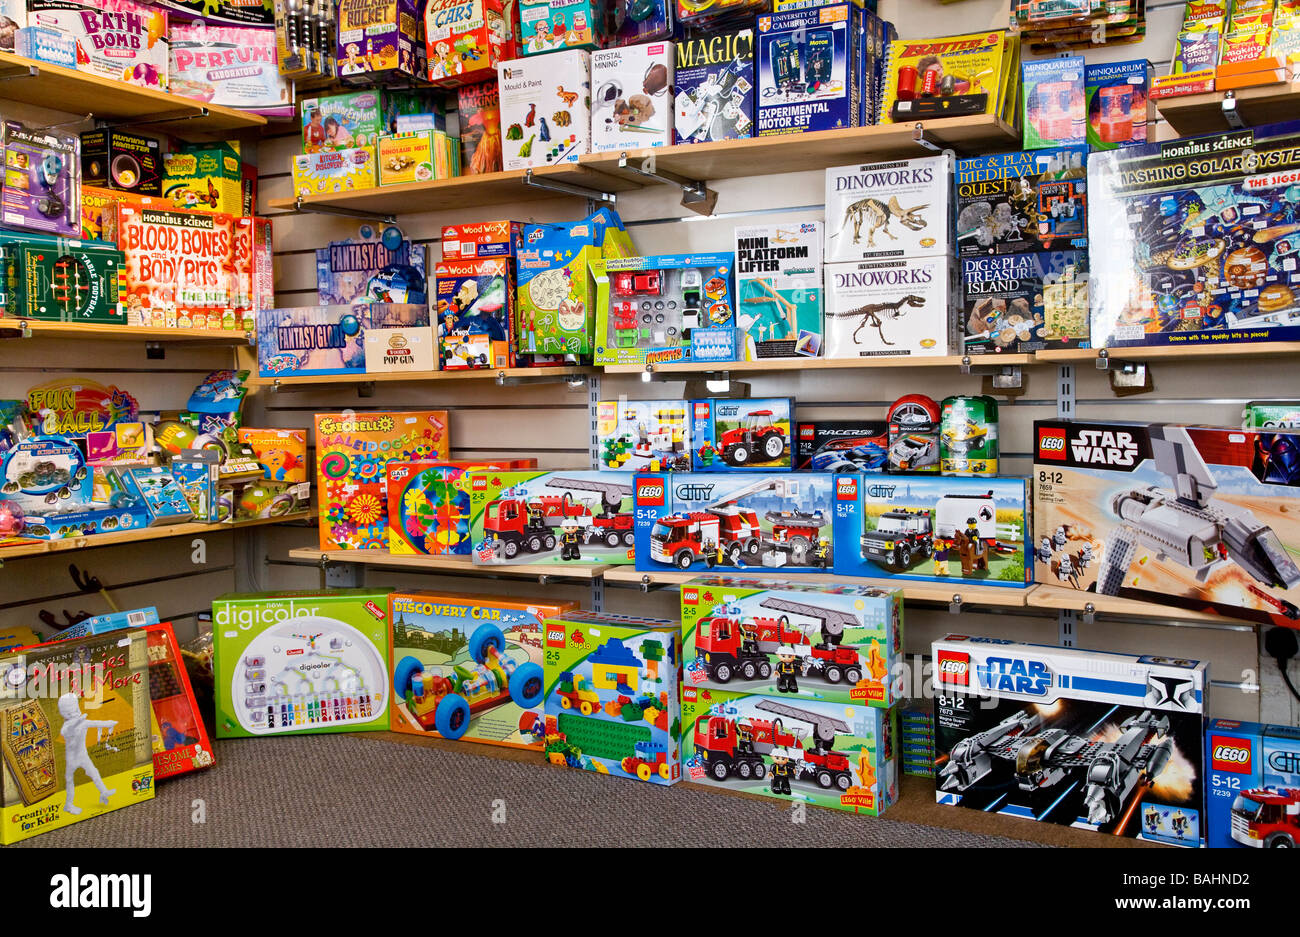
[(451, 565), (1170, 352), (1058, 598), (484, 374), (14, 327), (66, 89), (1191, 114), (822, 364)]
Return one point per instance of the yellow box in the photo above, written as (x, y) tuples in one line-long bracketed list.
[(406, 157), (334, 171), (206, 177)]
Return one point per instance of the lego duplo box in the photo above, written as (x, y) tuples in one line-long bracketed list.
[(1193, 517), (469, 666), (545, 109), (808, 70), (294, 663), (889, 210), (779, 290), (428, 505), (826, 754), (891, 308), (612, 695), (1117, 738), (644, 435), (632, 107), (838, 644), (699, 521), (742, 435), (954, 530), (1252, 785)]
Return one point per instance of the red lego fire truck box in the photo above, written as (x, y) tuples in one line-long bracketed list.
[(1252, 785), (1196, 517)]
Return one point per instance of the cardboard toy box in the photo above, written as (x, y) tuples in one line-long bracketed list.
[(73, 284), (713, 84), (632, 101), (1251, 793), (1119, 103), (1110, 752), (551, 25), (417, 156), (551, 517), (807, 70), (696, 521), (380, 42), (1055, 110), (368, 270), (230, 66), (294, 663), (951, 76), (475, 313), (480, 239), (42, 180), (1193, 517), (205, 177), (841, 446), (180, 740), (826, 754), (890, 308), (428, 505), (44, 44), (933, 529), (307, 340), (282, 452), (779, 289), (400, 339), (742, 435), (332, 171), (117, 39), (478, 109), (469, 666), (838, 644), (117, 159), (155, 488), (1013, 203), (1024, 302), (889, 210), (612, 695), (465, 39), (545, 109), (644, 435)]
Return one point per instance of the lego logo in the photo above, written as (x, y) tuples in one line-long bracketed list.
[(555, 637), (846, 489), (806, 431), (1051, 444), (650, 492), (701, 411), (478, 484), (1231, 755), (954, 668), (691, 596), (689, 694)]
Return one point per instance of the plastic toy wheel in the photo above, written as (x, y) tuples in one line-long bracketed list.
[(483, 637), (824, 779), (733, 554), (760, 771), (664, 771), (451, 718), (903, 557), (764, 670), (748, 671), (853, 675), (736, 455), (526, 685), (753, 546), (629, 538), (566, 703), (799, 551), (1282, 842), (548, 542), (744, 770), (643, 771), (684, 559), (774, 446), (511, 549), (404, 672), (833, 674), (719, 770), (586, 708), (842, 781), (722, 672), (533, 544)]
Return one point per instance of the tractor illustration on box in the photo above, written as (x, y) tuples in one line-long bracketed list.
[(758, 437)]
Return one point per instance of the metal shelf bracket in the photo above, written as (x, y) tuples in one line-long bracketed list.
[(20, 71), (167, 117), (568, 188), (1230, 112), (300, 207), (1005, 376), (919, 138), (696, 194)]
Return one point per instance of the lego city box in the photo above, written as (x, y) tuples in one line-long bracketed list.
[(296, 663), (742, 435), (713, 87), (1201, 518), (702, 521), (644, 435), (845, 757), (837, 643), (1022, 202), (469, 666), (612, 701), (891, 308), (889, 210), (1031, 731), (779, 290), (933, 529), (1252, 785), (806, 69)]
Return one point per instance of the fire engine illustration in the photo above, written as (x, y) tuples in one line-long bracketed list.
[(529, 523), (1267, 818), (730, 745), (731, 645)]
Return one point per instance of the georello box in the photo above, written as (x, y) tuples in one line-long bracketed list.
[(291, 663)]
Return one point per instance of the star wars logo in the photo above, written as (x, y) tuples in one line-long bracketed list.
[(1104, 447), (1013, 675)]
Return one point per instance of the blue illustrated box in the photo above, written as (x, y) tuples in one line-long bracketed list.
[(742, 435), (1252, 785), (810, 70)]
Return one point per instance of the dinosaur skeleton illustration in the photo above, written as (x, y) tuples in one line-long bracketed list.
[(872, 312), (878, 215)]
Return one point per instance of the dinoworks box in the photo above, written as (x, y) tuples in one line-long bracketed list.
[(884, 210), (890, 308)]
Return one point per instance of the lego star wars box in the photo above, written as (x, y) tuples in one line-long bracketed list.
[(1252, 785), (545, 109), (1194, 517), (779, 289), (808, 76), (1119, 755), (714, 88), (1024, 302), (891, 308), (644, 435), (841, 446), (743, 435), (632, 97), (1015, 203), (699, 521), (933, 529), (889, 210), (840, 644)]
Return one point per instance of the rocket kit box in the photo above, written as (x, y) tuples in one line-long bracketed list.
[(1024, 302), (826, 754), (889, 210), (1012, 203), (1087, 739), (371, 269), (807, 76), (890, 308), (714, 88), (1195, 517), (380, 42), (1196, 240), (779, 289), (1252, 785), (834, 643)]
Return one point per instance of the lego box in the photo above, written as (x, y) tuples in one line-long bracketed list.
[(612, 695), (1015, 203), (826, 754), (714, 88), (1252, 785), (889, 210), (807, 76), (743, 435), (835, 643), (890, 308), (644, 435), (841, 446), (632, 102), (1120, 755), (1194, 517), (779, 289)]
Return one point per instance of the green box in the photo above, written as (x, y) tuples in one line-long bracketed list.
[(292, 663), (206, 177), (70, 284), (968, 436), (1271, 414)]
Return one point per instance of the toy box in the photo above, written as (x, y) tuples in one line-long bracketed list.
[(669, 307), (179, 267), (75, 284), (714, 88), (293, 663), (74, 732), (480, 239), (42, 180), (282, 452), (475, 310), (545, 109), (1024, 302), (1119, 105), (180, 740), (479, 111), (551, 517), (1193, 517), (779, 289), (903, 207), (352, 452), (826, 754), (335, 171), (469, 667), (1206, 249), (311, 340), (551, 25), (1271, 414), (1196, 50), (612, 695), (399, 339), (625, 26), (240, 12), (343, 121), (1252, 793), (428, 505), (890, 308), (116, 159), (933, 529), (1109, 753), (197, 473), (206, 177), (407, 157), (696, 521), (751, 435), (1055, 108), (375, 268), (632, 97), (837, 644), (808, 78), (260, 500), (380, 42), (968, 436), (841, 446), (158, 491), (954, 76), (118, 39), (43, 44), (644, 435), (231, 66), (1022, 202), (708, 14), (465, 39), (912, 426)]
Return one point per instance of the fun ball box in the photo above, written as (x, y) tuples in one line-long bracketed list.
[(889, 210), (545, 109), (1252, 785), (644, 435), (808, 72), (612, 695), (632, 97), (933, 529), (837, 644), (469, 667), (1118, 754), (428, 505), (294, 663), (779, 290), (890, 308), (1194, 517), (742, 435), (826, 754)]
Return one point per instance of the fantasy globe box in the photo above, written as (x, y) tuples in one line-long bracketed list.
[(545, 109), (835, 643), (807, 70), (1252, 785), (428, 505), (612, 695), (632, 101), (294, 663), (826, 754), (1088, 739), (469, 666), (311, 340), (933, 529), (644, 435), (889, 210), (742, 435), (890, 308), (779, 290), (714, 88), (1023, 202), (1188, 516), (372, 268)]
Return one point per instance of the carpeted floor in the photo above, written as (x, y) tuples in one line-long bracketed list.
[(339, 791)]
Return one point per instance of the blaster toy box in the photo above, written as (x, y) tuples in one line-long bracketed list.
[(1119, 104), (475, 311), (1198, 240), (1252, 785), (309, 340), (838, 644), (371, 270), (1015, 203), (612, 691), (644, 435), (116, 39), (950, 77), (841, 446), (1116, 739), (934, 529), (889, 210), (632, 105), (779, 290), (380, 42), (1194, 517), (545, 109), (469, 667), (1024, 302), (808, 77), (890, 308), (428, 505), (830, 755), (465, 39), (695, 521), (714, 88), (751, 435), (1055, 108)]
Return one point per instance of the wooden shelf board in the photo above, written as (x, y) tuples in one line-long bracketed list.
[(1056, 597), (1172, 352), (819, 364), (451, 565), (13, 327), (1192, 114), (483, 374), (136, 536), (81, 93)]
